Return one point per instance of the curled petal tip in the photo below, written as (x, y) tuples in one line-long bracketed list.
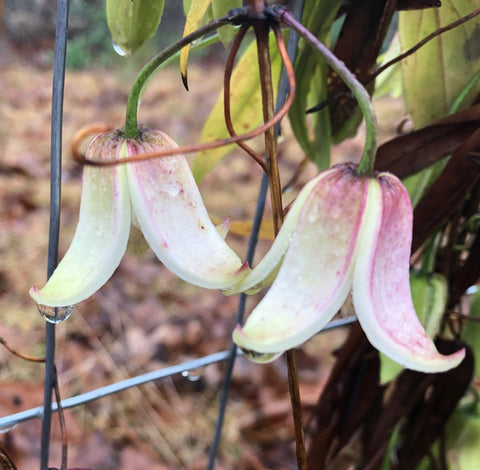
[(223, 228), (33, 291), (244, 268)]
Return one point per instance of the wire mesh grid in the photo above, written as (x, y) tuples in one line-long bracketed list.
[(45, 412)]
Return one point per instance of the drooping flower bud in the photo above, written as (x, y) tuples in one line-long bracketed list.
[(352, 233), (162, 199), (132, 23)]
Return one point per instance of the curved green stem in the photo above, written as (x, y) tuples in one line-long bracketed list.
[(367, 161), (131, 124)]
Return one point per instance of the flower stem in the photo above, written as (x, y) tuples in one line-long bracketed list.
[(268, 105), (367, 160), (261, 33), (131, 123)]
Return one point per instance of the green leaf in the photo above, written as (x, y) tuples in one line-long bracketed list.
[(313, 132), (131, 24), (438, 77), (390, 81), (429, 295), (471, 330), (221, 8), (436, 74), (462, 438), (245, 107)]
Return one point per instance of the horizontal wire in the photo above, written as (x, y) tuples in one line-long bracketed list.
[(10, 421)]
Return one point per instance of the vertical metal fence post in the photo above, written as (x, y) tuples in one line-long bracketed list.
[(55, 189)]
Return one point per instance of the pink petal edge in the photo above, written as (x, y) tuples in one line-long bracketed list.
[(381, 288)]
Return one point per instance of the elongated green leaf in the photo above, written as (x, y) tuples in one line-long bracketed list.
[(313, 132), (471, 331), (245, 107), (437, 74), (463, 436), (195, 14)]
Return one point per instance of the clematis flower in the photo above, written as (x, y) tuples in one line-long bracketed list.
[(161, 198), (349, 234)]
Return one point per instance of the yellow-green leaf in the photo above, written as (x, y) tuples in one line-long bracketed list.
[(246, 108), (439, 72), (221, 8), (313, 132), (195, 14), (436, 74), (471, 329)]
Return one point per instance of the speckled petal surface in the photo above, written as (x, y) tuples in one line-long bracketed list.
[(170, 212), (101, 235), (266, 270), (381, 289), (315, 277)]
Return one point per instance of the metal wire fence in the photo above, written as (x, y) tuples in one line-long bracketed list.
[(45, 412), (8, 422)]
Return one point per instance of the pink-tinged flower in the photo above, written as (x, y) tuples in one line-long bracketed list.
[(351, 234), (158, 196)]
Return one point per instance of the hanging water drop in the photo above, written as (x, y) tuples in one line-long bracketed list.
[(193, 375), (55, 314), (258, 357), (119, 50)]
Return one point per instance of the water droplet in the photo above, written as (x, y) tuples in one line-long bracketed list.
[(119, 50), (259, 357), (472, 290), (193, 375), (336, 212), (172, 190), (55, 314), (313, 214)]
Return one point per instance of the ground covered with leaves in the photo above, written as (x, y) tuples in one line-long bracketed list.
[(144, 318)]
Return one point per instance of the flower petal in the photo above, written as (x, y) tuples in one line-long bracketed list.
[(102, 232), (266, 270), (381, 288), (223, 228), (315, 277), (173, 219)]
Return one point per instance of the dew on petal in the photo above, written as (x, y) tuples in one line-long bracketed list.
[(171, 190), (55, 314), (336, 212), (313, 214)]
